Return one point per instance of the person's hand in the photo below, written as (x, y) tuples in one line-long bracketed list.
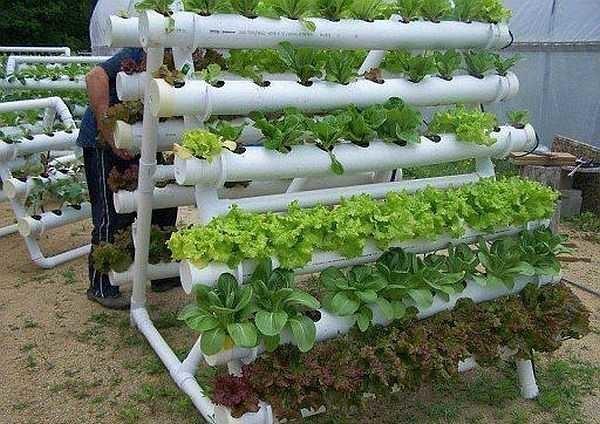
[(108, 137)]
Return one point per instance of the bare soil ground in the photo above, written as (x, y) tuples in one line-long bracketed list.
[(66, 360)]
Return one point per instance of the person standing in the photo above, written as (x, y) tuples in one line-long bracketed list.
[(100, 157)]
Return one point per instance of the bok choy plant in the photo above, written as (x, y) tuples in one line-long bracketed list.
[(223, 315), (402, 123), (503, 263), (305, 62), (280, 306), (333, 10)]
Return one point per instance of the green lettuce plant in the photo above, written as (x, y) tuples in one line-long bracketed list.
[(361, 126), (402, 123), (294, 9), (327, 133), (368, 10), (503, 263), (504, 64), (202, 144), (223, 315), (518, 118), (354, 293), (540, 248), (283, 133), (306, 63), (333, 10), (280, 306), (245, 7), (479, 62), (469, 125), (435, 10), (410, 10), (447, 63), (226, 130), (341, 67)]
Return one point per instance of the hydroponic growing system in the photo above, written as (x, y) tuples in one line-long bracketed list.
[(303, 175), (25, 150)]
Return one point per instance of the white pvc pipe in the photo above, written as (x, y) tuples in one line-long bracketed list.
[(155, 272), (55, 103), (59, 141), (17, 189), (234, 31), (8, 230), (330, 326), (63, 84), (259, 163), (243, 97), (30, 227), (170, 132), (174, 196), (122, 32), (529, 387), (191, 275), (30, 50), (13, 62)]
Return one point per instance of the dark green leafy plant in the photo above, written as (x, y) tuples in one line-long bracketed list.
[(367, 10), (361, 127), (327, 133), (504, 64), (435, 10), (419, 66), (205, 7), (402, 123), (223, 315), (410, 10), (518, 118), (280, 306), (447, 63), (245, 7), (479, 62), (226, 130), (540, 248), (294, 9), (333, 10), (353, 294), (210, 74), (290, 130), (161, 6), (340, 67), (461, 258), (503, 263), (305, 62)]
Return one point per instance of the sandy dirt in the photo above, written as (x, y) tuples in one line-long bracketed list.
[(66, 360)]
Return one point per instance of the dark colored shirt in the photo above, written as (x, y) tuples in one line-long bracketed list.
[(88, 131)]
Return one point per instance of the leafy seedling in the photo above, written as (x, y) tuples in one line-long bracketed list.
[(447, 63), (478, 63), (306, 63)]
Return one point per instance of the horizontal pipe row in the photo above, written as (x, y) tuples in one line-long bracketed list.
[(239, 32), (191, 275), (242, 97), (259, 163), (35, 226), (58, 141)]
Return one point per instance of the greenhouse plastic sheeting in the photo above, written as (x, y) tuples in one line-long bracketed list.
[(560, 71)]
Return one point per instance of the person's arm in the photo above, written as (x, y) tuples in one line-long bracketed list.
[(98, 93)]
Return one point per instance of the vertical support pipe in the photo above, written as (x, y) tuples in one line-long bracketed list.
[(529, 387), (145, 191)]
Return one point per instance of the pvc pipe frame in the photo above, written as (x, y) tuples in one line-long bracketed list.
[(173, 196), (59, 141), (66, 51), (234, 31), (31, 227), (155, 272), (55, 103), (199, 98), (13, 62), (259, 163)]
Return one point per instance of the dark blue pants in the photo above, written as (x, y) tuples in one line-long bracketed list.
[(98, 163)]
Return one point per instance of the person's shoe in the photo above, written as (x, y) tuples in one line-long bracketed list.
[(161, 286), (118, 302)]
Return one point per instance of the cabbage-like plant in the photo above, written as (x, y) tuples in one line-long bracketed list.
[(504, 64), (223, 315), (305, 62), (355, 293), (327, 133), (245, 7), (435, 10), (503, 263), (469, 125), (203, 144), (410, 10), (402, 123), (294, 9), (340, 67), (281, 134), (367, 10), (333, 10), (280, 306), (480, 62), (518, 118), (447, 63)]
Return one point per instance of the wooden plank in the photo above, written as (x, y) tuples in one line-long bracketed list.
[(551, 159)]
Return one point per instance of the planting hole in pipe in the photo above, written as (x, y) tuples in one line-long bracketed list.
[(36, 217), (57, 212)]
